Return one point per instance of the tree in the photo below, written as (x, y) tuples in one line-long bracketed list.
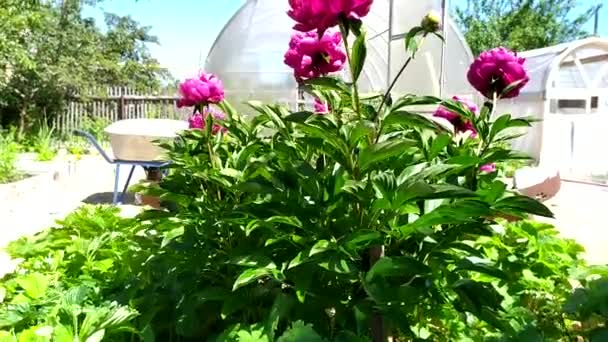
[(50, 53), (520, 24)]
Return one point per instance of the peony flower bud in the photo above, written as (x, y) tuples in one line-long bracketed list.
[(321, 107), (431, 21), (488, 168)]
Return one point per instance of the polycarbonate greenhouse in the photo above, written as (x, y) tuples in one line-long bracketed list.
[(248, 53), (568, 91)]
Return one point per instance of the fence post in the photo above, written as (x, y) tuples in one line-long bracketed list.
[(121, 107)]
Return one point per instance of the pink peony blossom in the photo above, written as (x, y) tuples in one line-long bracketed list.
[(205, 89), (311, 56), (321, 107), (198, 120), (320, 15), (494, 70), (488, 168), (460, 124)]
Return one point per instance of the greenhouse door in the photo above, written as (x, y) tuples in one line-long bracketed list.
[(576, 140)]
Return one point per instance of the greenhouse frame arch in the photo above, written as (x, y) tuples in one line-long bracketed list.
[(568, 92)]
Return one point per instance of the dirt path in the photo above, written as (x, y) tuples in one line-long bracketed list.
[(57, 189)]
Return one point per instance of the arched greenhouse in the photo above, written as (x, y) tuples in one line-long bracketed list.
[(248, 53), (568, 92)]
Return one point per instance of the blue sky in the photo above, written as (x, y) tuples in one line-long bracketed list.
[(187, 28)]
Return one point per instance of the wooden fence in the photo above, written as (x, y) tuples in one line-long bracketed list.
[(118, 104)]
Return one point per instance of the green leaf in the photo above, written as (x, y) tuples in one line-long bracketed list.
[(61, 333), (147, 334), (510, 87), (280, 308), (34, 284), (504, 122), (382, 151), (482, 266), (328, 83), (439, 143), (446, 191), (31, 335), (361, 239), (414, 100), (249, 276), (411, 42), (410, 120), (359, 55), (299, 116), (458, 108), (2, 294), (320, 247), (338, 265), (97, 336), (406, 267), (259, 261), (461, 211), (477, 294), (171, 235), (300, 332), (522, 204), (357, 130)]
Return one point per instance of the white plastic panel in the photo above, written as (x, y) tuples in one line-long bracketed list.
[(248, 54)]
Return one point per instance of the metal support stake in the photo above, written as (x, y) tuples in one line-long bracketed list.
[(444, 9), (390, 43), (116, 176)]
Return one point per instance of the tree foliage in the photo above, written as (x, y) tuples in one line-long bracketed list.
[(520, 24), (49, 52)]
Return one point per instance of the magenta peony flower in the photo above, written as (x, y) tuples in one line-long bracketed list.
[(321, 107), (201, 91), (320, 15), (488, 168), (311, 56), (198, 120), (494, 70), (460, 124)]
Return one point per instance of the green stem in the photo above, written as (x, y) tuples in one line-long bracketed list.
[(390, 88), (355, 94)]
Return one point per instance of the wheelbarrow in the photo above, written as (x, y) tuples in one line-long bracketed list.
[(148, 166), (134, 144)]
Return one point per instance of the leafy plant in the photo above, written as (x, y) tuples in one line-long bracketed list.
[(96, 127), (62, 291), (76, 147), (43, 142), (9, 149), (364, 222)]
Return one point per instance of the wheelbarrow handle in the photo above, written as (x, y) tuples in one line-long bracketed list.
[(94, 142)]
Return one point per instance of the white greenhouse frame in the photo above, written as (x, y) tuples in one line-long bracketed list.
[(248, 53), (568, 92)]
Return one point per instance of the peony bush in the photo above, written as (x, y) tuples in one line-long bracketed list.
[(360, 219)]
